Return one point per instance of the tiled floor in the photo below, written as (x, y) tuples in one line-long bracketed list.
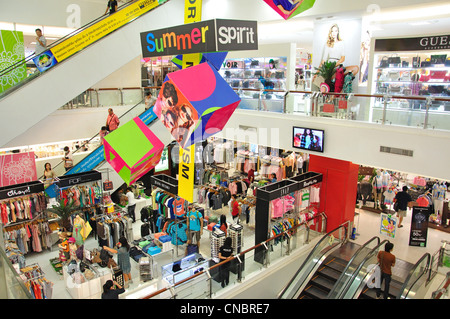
[(367, 226)]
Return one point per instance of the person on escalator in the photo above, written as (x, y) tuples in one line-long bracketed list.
[(111, 6), (112, 121), (149, 100), (386, 261)]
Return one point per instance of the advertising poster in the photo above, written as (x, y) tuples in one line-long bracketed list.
[(102, 28), (17, 168), (419, 226), (45, 61), (388, 225), (12, 50), (337, 41)]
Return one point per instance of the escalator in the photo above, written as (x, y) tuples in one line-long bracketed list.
[(33, 99)]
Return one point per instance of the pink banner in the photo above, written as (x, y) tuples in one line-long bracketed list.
[(17, 168)]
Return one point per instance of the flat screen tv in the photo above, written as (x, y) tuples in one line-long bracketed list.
[(309, 139)]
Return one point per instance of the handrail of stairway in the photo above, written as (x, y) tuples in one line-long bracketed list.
[(291, 230), (313, 251), (402, 294), (344, 272), (358, 270)]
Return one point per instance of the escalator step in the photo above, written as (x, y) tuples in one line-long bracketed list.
[(314, 293), (323, 283), (329, 273), (337, 264)]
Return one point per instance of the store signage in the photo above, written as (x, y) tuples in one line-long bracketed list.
[(199, 37), (165, 182), (307, 179), (21, 190), (232, 64), (441, 42), (79, 178), (419, 226), (276, 190), (311, 181)]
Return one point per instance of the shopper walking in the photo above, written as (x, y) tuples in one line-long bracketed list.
[(123, 258), (225, 253), (111, 7), (131, 204), (112, 290), (402, 198), (386, 261), (235, 209), (112, 121), (68, 158), (49, 175), (41, 42)]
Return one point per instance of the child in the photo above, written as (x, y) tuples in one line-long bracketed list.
[(102, 133)]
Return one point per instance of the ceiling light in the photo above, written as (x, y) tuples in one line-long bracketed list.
[(419, 23)]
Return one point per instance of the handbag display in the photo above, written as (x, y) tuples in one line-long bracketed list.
[(384, 62), (438, 75), (406, 76), (424, 78), (107, 185), (438, 59), (416, 62), (407, 91), (394, 59), (426, 63), (328, 108), (342, 104), (393, 75)]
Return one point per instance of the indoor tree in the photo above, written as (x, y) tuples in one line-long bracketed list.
[(64, 211)]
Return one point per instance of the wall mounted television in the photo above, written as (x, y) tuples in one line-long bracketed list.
[(309, 139)]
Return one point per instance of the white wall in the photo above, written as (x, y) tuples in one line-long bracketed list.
[(353, 141)]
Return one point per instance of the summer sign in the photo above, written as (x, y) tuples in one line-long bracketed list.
[(206, 36)]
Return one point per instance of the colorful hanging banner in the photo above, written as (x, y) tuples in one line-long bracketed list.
[(290, 8), (17, 168), (11, 52), (192, 13)]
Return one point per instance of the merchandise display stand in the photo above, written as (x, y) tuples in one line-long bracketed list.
[(277, 191), (237, 242)]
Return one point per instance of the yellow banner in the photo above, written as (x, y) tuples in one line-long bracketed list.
[(192, 13), (102, 28), (186, 173)]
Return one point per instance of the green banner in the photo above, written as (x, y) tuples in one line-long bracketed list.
[(12, 50)]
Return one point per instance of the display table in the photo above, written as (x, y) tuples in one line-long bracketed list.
[(81, 286), (183, 268)]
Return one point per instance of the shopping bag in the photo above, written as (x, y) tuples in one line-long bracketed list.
[(328, 108), (107, 185)]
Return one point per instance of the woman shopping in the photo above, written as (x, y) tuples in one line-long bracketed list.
[(123, 258)]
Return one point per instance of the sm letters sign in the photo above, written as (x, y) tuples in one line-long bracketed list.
[(201, 37)]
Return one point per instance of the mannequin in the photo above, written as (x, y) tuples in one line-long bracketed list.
[(339, 80), (438, 195), (377, 189), (78, 226), (348, 82)]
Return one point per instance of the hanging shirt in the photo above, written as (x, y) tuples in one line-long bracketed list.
[(179, 207), (194, 220)]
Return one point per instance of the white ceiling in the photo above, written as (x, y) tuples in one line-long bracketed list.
[(392, 19)]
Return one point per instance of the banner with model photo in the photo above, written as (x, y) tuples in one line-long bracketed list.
[(336, 42), (419, 226)]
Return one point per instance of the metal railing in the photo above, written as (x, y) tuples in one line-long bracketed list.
[(416, 273), (202, 282)]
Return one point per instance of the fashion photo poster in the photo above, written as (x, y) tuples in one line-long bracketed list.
[(337, 41)]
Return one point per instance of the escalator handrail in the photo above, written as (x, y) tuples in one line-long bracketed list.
[(31, 56), (310, 255), (411, 272), (139, 103), (358, 270), (344, 272)]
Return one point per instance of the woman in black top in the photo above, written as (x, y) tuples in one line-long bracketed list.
[(109, 292), (111, 6), (225, 253)]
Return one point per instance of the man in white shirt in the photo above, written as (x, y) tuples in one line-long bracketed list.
[(131, 204), (41, 42), (68, 158)]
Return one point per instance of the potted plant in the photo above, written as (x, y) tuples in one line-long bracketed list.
[(326, 71), (64, 211)]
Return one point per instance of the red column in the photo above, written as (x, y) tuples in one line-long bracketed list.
[(338, 191)]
